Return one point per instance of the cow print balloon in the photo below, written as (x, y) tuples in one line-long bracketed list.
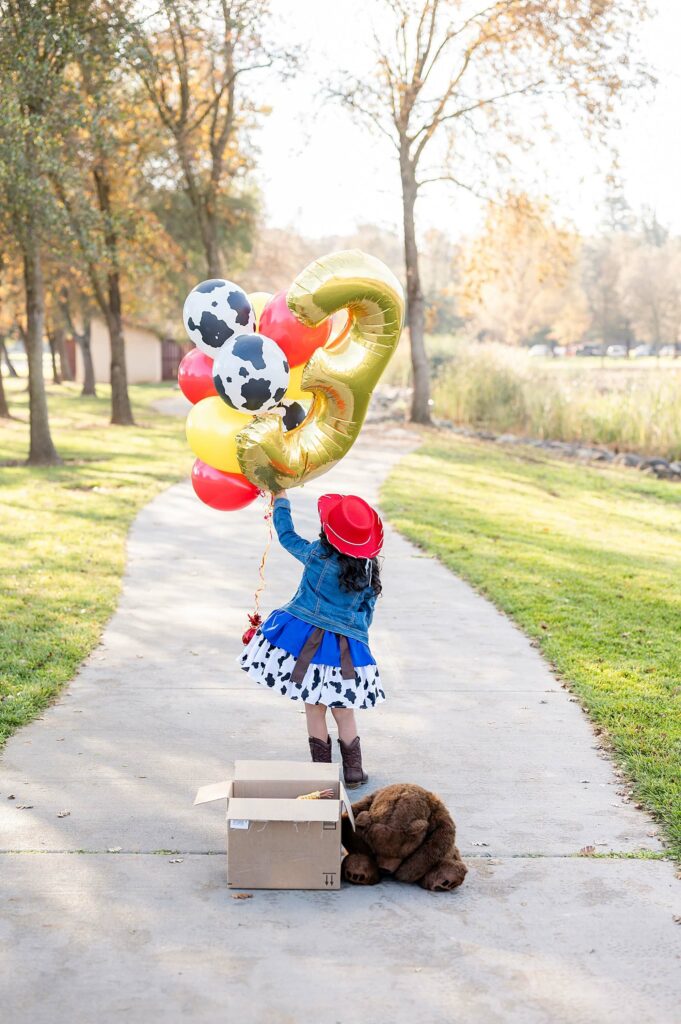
[(216, 311), (251, 373), (294, 413)]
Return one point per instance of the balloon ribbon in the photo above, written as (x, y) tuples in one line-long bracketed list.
[(255, 617)]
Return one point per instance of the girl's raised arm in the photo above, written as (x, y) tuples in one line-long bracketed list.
[(283, 524)]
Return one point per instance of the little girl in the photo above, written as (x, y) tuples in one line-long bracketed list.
[(316, 648)]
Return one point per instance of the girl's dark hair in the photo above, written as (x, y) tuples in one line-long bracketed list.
[(354, 574)]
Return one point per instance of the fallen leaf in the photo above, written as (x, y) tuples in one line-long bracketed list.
[(114, 849), (176, 860), (242, 895), (24, 807), (11, 797), (63, 814), (587, 851), (480, 844)]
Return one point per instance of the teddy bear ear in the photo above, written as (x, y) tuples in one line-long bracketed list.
[(363, 819), (418, 825)]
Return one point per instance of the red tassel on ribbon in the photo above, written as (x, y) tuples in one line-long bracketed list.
[(255, 620)]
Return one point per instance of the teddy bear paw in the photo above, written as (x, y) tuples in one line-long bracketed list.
[(360, 870), (445, 876)]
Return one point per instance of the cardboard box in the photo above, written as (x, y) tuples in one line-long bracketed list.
[(275, 841)]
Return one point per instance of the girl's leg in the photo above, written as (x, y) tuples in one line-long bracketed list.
[(318, 734), (353, 773), (345, 720), (316, 721)]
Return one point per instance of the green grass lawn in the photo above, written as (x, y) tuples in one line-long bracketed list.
[(63, 530), (588, 562)]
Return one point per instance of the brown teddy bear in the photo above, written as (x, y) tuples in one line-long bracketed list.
[(407, 832)]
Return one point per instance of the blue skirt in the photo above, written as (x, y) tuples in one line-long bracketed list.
[(270, 657)]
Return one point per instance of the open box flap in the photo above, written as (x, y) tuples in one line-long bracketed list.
[(286, 771), (271, 809), (216, 791), (345, 800)]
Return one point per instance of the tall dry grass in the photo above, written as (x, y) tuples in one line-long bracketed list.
[(629, 407)]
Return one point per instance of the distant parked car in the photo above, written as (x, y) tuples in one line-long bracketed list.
[(668, 350), (590, 350), (559, 350), (641, 351), (540, 350), (616, 351)]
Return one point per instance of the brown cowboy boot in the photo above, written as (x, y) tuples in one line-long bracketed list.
[(353, 773), (320, 751)]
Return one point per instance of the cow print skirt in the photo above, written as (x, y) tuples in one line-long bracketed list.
[(270, 657)]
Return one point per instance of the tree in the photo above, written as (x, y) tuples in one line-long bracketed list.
[(82, 334), (103, 193), (521, 276), (439, 271), (99, 126), (603, 259), (190, 59), (650, 290), (454, 79), (4, 407), (36, 44)]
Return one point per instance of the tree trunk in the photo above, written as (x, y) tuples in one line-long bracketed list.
[(420, 403), (5, 354), (41, 451), (83, 340), (121, 410), (213, 258), (4, 408), (210, 240), (88, 366), (56, 378), (65, 368), (203, 203)]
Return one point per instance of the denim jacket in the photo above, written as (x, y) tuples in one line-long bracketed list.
[(319, 599)]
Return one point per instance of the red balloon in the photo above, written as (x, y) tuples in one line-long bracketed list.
[(297, 340), (227, 492), (195, 376)]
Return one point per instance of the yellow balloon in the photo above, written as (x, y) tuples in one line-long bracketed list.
[(294, 391), (341, 375), (211, 431), (258, 301)]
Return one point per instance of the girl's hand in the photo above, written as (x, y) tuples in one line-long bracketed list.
[(278, 494)]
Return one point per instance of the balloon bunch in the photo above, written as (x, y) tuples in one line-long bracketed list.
[(276, 399)]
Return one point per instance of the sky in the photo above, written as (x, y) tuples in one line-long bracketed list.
[(324, 174)]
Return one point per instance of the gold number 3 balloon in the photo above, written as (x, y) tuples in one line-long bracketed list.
[(341, 375)]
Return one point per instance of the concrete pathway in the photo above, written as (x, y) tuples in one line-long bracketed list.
[(119, 911)]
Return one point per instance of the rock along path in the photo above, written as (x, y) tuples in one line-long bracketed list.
[(119, 911)]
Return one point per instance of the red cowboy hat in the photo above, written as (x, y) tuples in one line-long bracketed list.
[(351, 525)]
